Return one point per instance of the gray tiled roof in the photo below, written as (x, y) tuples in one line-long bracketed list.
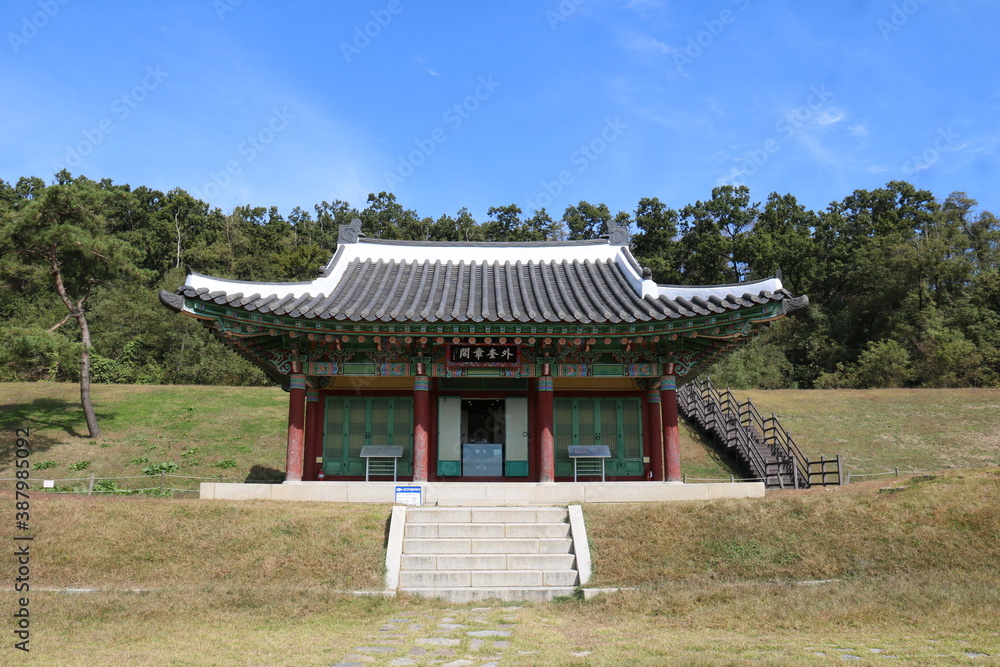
[(434, 291)]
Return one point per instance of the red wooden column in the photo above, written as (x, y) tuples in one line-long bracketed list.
[(314, 434), (296, 404), (671, 438), (421, 423), (546, 439), (655, 433)]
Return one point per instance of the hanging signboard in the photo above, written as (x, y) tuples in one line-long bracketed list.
[(483, 354)]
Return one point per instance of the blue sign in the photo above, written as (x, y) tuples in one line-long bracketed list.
[(409, 495)]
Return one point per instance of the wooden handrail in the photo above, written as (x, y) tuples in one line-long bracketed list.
[(740, 425)]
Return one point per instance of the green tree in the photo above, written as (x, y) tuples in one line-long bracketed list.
[(586, 221), (64, 231), (463, 227), (655, 245), (385, 218), (781, 242)]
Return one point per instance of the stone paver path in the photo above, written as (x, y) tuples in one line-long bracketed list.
[(475, 637)]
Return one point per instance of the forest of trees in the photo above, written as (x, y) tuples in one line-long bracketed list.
[(904, 288)]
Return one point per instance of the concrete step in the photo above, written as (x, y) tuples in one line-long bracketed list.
[(461, 595), (564, 561), (486, 578), (526, 545), (465, 554), (486, 515), (486, 530)]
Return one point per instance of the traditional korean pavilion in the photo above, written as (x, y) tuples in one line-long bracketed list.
[(482, 361)]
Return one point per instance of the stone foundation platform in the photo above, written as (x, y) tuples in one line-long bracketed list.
[(484, 494)]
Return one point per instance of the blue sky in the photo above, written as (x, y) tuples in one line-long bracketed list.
[(545, 103)]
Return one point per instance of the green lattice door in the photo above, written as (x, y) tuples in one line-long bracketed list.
[(615, 422), (352, 423)]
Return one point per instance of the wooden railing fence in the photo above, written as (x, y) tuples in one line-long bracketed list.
[(760, 443)]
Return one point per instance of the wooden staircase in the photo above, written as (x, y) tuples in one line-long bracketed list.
[(761, 444)]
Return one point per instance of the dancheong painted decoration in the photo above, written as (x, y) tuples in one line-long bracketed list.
[(484, 361)]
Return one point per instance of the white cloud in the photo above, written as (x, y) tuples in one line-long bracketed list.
[(424, 66), (830, 116), (643, 5), (646, 44), (858, 130), (819, 153)]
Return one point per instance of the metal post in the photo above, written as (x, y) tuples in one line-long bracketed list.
[(897, 471), (90, 489), (161, 481)]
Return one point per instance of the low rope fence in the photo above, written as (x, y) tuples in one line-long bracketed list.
[(733, 479), (895, 472), (109, 485), (848, 475)]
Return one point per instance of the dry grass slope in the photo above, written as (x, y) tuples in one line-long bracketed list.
[(909, 573), (925, 524), (876, 430)]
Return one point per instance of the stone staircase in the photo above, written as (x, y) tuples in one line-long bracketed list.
[(464, 554)]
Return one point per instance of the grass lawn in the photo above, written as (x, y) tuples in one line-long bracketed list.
[(877, 430), (794, 578), (195, 427), (814, 577), (239, 431), (205, 431)]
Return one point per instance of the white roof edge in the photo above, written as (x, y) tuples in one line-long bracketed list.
[(721, 291), (348, 252), (630, 268), (198, 281)]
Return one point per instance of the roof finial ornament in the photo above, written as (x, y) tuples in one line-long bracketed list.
[(350, 233), (617, 234), (647, 273)]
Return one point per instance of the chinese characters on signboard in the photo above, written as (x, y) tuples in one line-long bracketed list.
[(483, 355)]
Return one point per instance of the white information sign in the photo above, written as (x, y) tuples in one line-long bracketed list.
[(48, 483), (409, 495)]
